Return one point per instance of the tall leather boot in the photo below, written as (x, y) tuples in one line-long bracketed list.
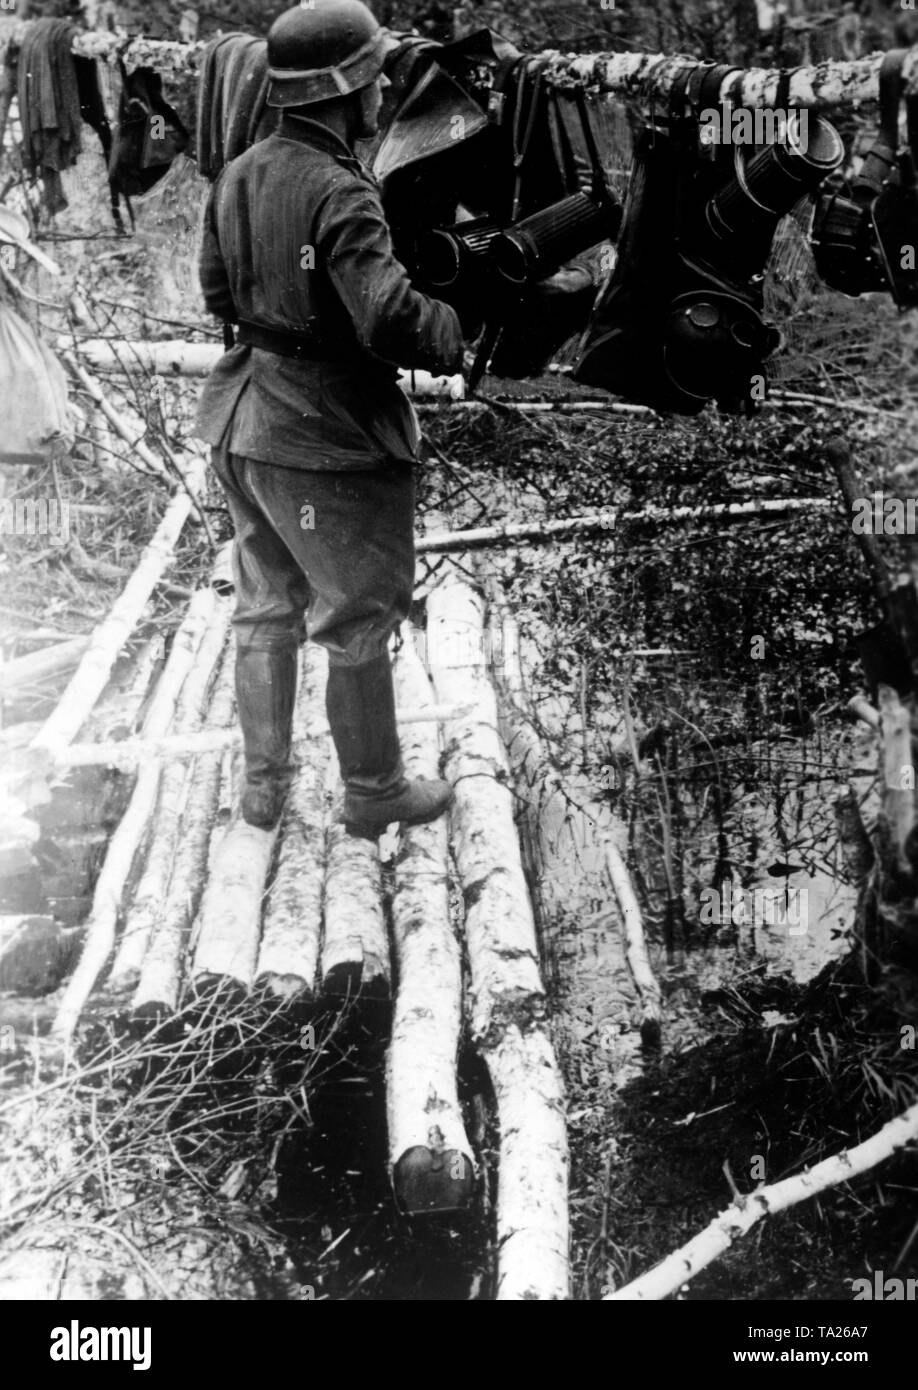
[(265, 694), (360, 702)]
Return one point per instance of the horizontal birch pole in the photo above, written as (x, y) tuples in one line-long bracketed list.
[(126, 840), (133, 752), (650, 77), (289, 953), (110, 635), (177, 357), (596, 523), (645, 76), (739, 1218), (430, 1158)]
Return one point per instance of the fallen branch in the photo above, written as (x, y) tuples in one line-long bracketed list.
[(123, 846), (595, 523), (26, 671), (636, 947), (109, 637), (862, 709), (743, 1214), (136, 441), (430, 1158)]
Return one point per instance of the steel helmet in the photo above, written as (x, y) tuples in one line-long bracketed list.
[(322, 49)]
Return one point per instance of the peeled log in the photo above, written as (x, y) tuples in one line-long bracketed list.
[(100, 931), (289, 954), (153, 887), (506, 986), (532, 1206), (430, 1158), (161, 972), (355, 951)]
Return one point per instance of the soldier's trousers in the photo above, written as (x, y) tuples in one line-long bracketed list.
[(335, 548)]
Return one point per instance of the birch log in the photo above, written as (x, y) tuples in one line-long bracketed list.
[(431, 1164), (226, 953), (742, 1215), (161, 972), (123, 846), (176, 357), (289, 954), (355, 949), (597, 523), (109, 637), (154, 882), (500, 929), (130, 752), (647, 76), (532, 1205)]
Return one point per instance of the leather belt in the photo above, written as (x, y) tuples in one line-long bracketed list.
[(301, 346)]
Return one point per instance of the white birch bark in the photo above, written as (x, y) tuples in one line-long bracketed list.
[(160, 983), (123, 846), (150, 894), (289, 953), (355, 948), (739, 1218), (500, 929), (430, 1158), (532, 1184)]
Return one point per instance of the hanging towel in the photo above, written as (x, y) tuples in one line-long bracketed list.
[(232, 114)]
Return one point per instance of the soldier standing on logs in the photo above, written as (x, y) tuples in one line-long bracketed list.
[(313, 440)]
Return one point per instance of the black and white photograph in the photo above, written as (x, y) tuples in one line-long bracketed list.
[(459, 669)]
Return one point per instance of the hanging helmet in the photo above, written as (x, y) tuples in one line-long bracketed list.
[(322, 49)]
